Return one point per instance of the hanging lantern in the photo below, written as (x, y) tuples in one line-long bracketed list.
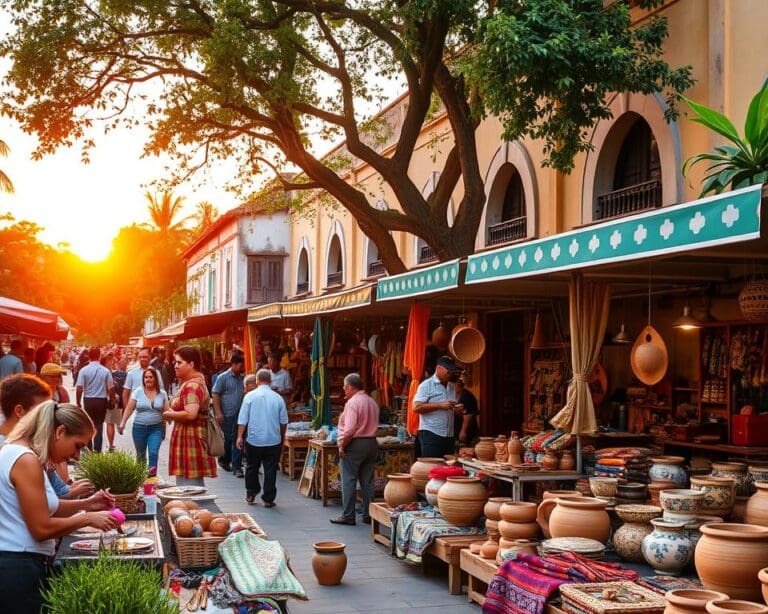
[(649, 358), (441, 336), (539, 340), (753, 300)]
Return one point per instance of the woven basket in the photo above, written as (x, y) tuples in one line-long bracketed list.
[(129, 504), (203, 552), (753, 300)]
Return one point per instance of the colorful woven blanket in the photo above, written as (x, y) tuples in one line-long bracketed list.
[(414, 531)]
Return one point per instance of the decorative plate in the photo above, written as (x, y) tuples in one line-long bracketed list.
[(127, 544), (108, 535), (184, 491), (166, 497)]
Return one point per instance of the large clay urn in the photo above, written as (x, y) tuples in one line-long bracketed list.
[(735, 606), (461, 500), (575, 517), (515, 449), (719, 494), (420, 471), (690, 600), (757, 506), (729, 556), (399, 490), (485, 450), (329, 562)]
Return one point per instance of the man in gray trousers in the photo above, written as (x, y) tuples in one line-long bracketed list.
[(358, 448)]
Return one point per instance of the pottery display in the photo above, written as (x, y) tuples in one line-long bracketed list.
[(668, 468), (736, 471), (603, 487), (492, 509), (757, 506), (399, 490), (729, 557), (739, 511), (500, 445), (567, 461), (719, 494), (518, 530), (329, 562), (420, 471), (514, 449), (735, 606), (756, 473), (575, 517), (684, 503), (628, 539), (667, 548), (690, 600), (485, 450), (461, 500), (518, 511), (762, 575), (430, 490)]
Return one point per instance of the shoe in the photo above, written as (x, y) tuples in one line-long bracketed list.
[(250, 499), (111, 448), (238, 473), (269, 504), (366, 520), (342, 520), (225, 466)]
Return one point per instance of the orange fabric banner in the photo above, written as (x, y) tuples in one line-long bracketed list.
[(413, 356)]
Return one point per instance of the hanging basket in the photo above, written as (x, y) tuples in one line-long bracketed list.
[(467, 344), (753, 300)]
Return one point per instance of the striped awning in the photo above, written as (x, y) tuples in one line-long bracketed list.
[(329, 303)]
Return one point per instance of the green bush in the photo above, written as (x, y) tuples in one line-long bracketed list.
[(121, 472), (107, 585)]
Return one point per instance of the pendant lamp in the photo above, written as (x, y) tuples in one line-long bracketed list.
[(686, 321), (622, 338), (539, 340)]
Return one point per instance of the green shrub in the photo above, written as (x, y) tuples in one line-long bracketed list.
[(121, 472), (107, 585)]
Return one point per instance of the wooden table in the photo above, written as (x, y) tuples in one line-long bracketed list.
[(292, 456), (747, 452), (517, 478), (479, 572)]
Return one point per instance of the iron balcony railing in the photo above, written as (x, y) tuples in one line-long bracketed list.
[(376, 268), (335, 279), (302, 287), (426, 254), (510, 230), (646, 195)]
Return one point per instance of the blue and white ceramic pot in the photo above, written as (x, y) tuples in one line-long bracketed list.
[(668, 468), (667, 549)]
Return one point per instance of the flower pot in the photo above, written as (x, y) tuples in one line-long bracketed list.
[(399, 490), (670, 469), (420, 471), (736, 471), (757, 506), (430, 490), (684, 503), (628, 539), (461, 500), (667, 548), (515, 449), (575, 517), (127, 503), (492, 509), (690, 600), (518, 511), (485, 450), (329, 562), (735, 606), (729, 556)]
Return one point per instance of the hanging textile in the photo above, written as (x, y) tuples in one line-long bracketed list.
[(249, 340), (413, 357), (318, 379), (589, 306)]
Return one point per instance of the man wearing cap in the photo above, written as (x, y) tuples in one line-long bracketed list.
[(435, 402), (52, 374), (227, 395)]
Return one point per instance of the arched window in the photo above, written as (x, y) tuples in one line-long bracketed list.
[(636, 184), (506, 217), (335, 266), (302, 272), (373, 265)]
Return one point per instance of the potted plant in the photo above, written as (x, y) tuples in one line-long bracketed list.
[(107, 585), (119, 472)]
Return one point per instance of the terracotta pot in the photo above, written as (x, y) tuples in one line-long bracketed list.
[(719, 494), (491, 526), (628, 539), (762, 575), (475, 547), (441, 336), (575, 517), (549, 460), (329, 562), (667, 548), (399, 490), (649, 358), (756, 473), (693, 528), (518, 530), (567, 460), (739, 512), (757, 506), (467, 344), (430, 490), (668, 469), (490, 548), (515, 449), (553, 494), (690, 600), (461, 500), (420, 471), (736, 471), (485, 450), (527, 545), (683, 503), (735, 606), (518, 511), (492, 509), (654, 488), (500, 446), (744, 547)]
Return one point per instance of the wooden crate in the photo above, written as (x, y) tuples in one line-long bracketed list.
[(479, 572), (381, 517)]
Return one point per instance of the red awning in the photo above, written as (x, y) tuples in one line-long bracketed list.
[(17, 318), (212, 323)]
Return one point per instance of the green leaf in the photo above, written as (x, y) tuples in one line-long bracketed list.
[(714, 120), (753, 127)]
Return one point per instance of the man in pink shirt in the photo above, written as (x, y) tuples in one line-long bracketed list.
[(358, 448)]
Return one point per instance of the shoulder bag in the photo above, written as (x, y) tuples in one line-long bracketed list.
[(214, 436)]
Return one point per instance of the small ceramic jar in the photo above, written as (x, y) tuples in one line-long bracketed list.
[(667, 548)]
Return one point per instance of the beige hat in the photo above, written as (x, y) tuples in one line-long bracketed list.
[(51, 368)]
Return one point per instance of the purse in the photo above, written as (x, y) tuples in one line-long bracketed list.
[(214, 436)]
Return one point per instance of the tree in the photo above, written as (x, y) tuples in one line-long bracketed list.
[(6, 185), (163, 213), (204, 216), (255, 80)]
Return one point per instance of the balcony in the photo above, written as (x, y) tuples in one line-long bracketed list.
[(646, 195), (335, 279), (376, 268), (302, 287), (426, 254), (510, 230)]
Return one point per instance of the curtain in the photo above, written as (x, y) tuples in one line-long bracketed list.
[(589, 306), (318, 382), (413, 356), (249, 349)]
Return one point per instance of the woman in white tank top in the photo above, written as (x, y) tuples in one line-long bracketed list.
[(31, 515)]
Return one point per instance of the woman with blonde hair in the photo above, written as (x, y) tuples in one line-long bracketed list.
[(31, 514)]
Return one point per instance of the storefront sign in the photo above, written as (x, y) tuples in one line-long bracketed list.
[(442, 276)]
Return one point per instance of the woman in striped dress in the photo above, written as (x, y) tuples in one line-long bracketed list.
[(189, 460)]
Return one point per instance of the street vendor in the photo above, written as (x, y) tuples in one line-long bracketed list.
[(436, 403)]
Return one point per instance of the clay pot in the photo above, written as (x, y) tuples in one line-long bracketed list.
[(467, 344), (690, 600), (575, 517), (518, 530), (756, 473), (649, 357), (670, 469), (515, 449), (567, 461), (553, 494), (729, 556), (475, 547), (628, 539), (762, 575), (757, 506), (461, 500), (491, 526), (549, 460), (739, 511), (441, 336), (500, 445), (603, 487), (518, 511), (420, 471), (492, 509), (430, 490), (399, 490), (735, 606), (683, 503), (654, 488), (485, 450), (736, 471), (329, 562), (719, 494), (490, 548), (667, 548), (693, 528)]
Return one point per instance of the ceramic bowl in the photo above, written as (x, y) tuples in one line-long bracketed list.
[(631, 488), (603, 487), (682, 501), (638, 513)]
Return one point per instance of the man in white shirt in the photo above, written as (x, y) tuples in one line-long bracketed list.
[(134, 378), (265, 417), (436, 403), (281, 383), (93, 389)]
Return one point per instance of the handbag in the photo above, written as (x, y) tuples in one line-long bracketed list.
[(214, 436)]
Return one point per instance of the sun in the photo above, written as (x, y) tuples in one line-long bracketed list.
[(93, 248)]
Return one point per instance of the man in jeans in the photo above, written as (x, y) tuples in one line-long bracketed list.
[(94, 388), (227, 395), (265, 416), (436, 403)]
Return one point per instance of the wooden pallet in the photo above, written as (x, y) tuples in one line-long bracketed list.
[(479, 572)]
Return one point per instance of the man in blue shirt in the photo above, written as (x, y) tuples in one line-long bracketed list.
[(11, 364), (227, 395), (265, 416), (436, 403)]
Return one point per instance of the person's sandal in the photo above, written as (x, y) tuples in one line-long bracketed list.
[(342, 520), (250, 499)]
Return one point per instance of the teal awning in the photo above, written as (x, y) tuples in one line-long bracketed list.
[(443, 276), (716, 220)]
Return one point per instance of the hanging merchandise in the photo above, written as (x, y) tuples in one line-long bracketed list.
[(649, 357), (413, 357), (441, 336), (467, 344)]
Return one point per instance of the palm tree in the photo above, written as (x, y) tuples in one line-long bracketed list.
[(205, 214), (163, 212), (5, 183)]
